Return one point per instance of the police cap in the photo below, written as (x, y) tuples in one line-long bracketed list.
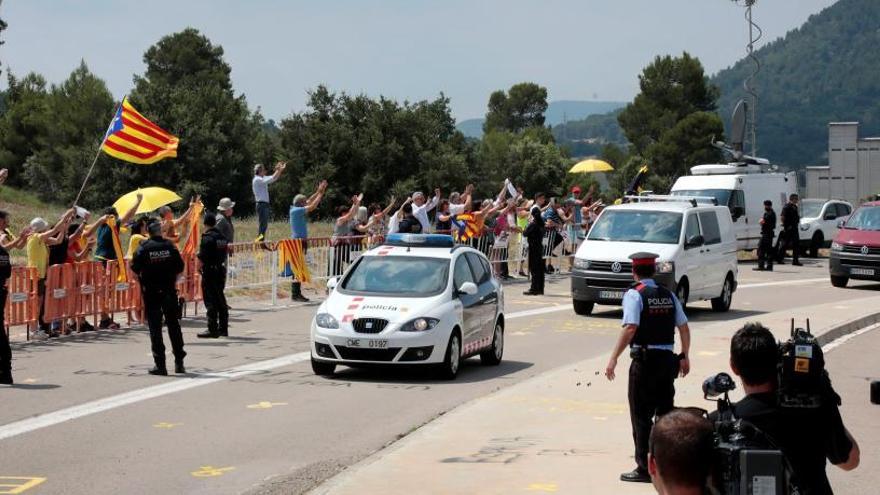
[(643, 258)]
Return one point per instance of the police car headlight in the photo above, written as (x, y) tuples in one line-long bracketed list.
[(835, 246), (582, 264), (419, 325), (326, 320), (665, 267)]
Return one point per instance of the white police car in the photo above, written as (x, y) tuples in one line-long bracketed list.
[(417, 299)]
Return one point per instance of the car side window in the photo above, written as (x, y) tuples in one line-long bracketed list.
[(842, 210), (480, 273), (711, 230), (692, 228), (462, 272)]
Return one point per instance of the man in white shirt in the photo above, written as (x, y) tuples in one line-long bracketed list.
[(260, 186), (420, 208)]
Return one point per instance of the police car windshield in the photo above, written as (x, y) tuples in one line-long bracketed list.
[(658, 227), (722, 196), (865, 218), (810, 208), (398, 275)]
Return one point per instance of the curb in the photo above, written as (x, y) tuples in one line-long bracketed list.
[(847, 328)]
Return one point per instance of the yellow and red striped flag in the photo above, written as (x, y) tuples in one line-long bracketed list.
[(133, 138)]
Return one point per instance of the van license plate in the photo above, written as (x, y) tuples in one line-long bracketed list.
[(862, 271), (367, 343), (610, 294)]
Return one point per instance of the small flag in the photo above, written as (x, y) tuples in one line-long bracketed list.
[(466, 226), (635, 187), (133, 138)]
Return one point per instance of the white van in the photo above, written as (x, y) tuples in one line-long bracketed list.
[(695, 242), (743, 189)]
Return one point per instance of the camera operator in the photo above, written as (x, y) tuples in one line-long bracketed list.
[(680, 453), (806, 436)]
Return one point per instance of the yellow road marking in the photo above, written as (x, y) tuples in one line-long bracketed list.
[(266, 405), (167, 426), (211, 471), (543, 487), (21, 485)]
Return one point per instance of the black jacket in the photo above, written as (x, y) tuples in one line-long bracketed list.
[(157, 263), (212, 250)]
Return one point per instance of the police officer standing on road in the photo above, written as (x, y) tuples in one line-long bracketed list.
[(157, 264), (212, 254), (650, 315), (791, 219), (768, 234)]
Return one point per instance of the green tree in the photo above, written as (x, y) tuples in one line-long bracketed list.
[(529, 161), (186, 90), (521, 107), (671, 121), (24, 124)]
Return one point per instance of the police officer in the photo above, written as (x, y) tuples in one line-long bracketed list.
[(157, 264), (768, 234), (791, 219), (7, 241), (212, 254), (650, 315)]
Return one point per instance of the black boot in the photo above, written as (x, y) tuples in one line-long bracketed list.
[(296, 292), (179, 368), (5, 376), (208, 334), (636, 476), (158, 371)]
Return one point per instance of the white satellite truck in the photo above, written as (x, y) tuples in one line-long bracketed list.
[(742, 185)]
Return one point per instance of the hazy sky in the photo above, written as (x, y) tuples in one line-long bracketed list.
[(405, 49)]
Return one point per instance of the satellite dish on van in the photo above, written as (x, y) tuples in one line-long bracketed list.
[(738, 125)]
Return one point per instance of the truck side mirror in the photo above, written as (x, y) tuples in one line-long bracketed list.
[(736, 212), (694, 241)]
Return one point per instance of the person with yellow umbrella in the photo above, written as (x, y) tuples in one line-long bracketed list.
[(108, 246)]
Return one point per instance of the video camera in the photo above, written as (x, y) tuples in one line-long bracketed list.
[(802, 378)]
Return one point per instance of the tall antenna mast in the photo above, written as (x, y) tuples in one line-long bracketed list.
[(747, 84)]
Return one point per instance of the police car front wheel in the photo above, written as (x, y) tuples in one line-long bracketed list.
[(492, 355), (449, 369), (322, 368)]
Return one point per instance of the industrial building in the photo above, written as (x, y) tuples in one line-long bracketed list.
[(853, 171)]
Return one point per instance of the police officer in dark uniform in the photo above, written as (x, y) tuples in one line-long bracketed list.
[(768, 234), (791, 219), (157, 264), (7, 241), (212, 254), (650, 315)]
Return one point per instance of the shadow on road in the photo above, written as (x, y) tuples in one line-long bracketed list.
[(35, 386), (471, 371)]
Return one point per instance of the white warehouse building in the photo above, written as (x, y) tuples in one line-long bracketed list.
[(853, 171)]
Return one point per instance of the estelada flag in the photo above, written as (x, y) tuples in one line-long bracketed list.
[(465, 226), (133, 138)]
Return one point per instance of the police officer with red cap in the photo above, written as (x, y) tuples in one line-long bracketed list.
[(650, 315)]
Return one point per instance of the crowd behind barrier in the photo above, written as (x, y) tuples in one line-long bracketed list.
[(82, 291)]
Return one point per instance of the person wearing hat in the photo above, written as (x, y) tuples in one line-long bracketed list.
[(260, 186), (224, 219), (212, 257), (38, 244), (7, 241), (299, 228), (157, 264), (650, 315), (765, 246)]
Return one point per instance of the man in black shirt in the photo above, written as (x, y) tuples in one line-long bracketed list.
[(768, 233), (791, 219), (806, 436), (212, 254), (157, 264), (410, 224)]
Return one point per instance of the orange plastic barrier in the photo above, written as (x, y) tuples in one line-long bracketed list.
[(121, 296), (189, 283), (22, 306), (88, 277), (60, 300)]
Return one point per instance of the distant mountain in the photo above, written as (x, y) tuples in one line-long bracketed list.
[(826, 70), (557, 112)]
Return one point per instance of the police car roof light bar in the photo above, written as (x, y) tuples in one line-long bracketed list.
[(668, 197), (419, 240)]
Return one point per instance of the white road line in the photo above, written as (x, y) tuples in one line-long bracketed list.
[(844, 339), (74, 412), (124, 399), (564, 307)]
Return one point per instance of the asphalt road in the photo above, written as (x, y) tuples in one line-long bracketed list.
[(251, 417)]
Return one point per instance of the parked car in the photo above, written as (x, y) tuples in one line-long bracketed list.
[(819, 223), (855, 251), (696, 244)]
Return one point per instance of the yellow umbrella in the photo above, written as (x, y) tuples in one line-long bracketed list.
[(154, 197), (589, 166)]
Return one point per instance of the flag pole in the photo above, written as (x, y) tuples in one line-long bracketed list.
[(97, 155)]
